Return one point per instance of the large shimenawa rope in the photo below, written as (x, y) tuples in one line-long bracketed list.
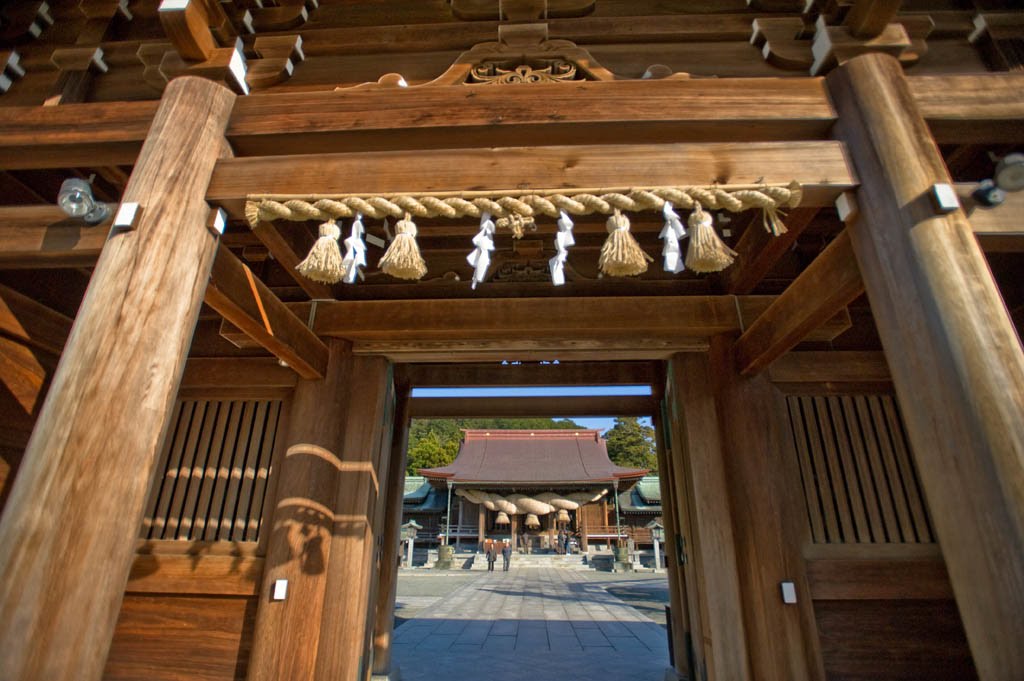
[(467, 204), (621, 256)]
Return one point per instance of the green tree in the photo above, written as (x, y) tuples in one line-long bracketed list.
[(631, 444), (430, 451)]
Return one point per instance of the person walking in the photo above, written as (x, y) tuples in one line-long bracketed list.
[(506, 554), (492, 555)]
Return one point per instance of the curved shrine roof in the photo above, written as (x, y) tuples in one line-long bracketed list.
[(533, 456)]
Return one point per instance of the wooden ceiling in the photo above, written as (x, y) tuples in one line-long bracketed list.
[(679, 130)]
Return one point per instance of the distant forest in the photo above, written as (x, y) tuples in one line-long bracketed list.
[(435, 442)]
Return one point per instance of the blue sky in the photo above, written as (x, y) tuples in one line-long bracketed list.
[(602, 423)]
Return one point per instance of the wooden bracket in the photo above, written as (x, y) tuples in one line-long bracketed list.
[(796, 44), (104, 9), (24, 21), (283, 18), (521, 10), (277, 58), (78, 67), (226, 64), (10, 69), (187, 26)]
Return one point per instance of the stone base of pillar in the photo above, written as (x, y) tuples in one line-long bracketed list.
[(396, 675)]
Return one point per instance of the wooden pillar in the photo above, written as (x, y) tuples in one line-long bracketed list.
[(513, 527), (677, 601), (384, 624), (346, 621), (699, 466), (68, 532), (481, 526), (956, 361), (581, 521), (287, 632), (764, 496)]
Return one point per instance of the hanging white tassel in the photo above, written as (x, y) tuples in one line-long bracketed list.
[(671, 233), (323, 264), (355, 251), (480, 258), (563, 239)]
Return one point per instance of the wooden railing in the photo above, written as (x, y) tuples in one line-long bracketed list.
[(639, 535)]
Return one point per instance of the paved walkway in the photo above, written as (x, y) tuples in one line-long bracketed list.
[(535, 624)]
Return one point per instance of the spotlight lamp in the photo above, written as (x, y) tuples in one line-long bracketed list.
[(75, 198), (1009, 177)]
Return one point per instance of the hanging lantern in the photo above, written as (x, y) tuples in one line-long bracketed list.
[(532, 521), (502, 518), (562, 516)]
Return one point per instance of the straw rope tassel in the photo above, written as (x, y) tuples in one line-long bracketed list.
[(621, 255), (402, 260), (323, 264), (707, 252)]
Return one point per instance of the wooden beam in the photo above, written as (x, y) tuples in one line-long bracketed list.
[(769, 522), (653, 110), (245, 301), (830, 283), (23, 319), (598, 405), (530, 374), (598, 318), (758, 250), (347, 624), (955, 357), (76, 496), (876, 579), (289, 246), (202, 373), (528, 168), (198, 574), (977, 108), (73, 135), (699, 463), (564, 349), (971, 109), (390, 558), (286, 632), (43, 236), (998, 229), (832, 372)]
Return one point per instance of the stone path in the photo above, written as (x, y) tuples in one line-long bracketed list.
[(535, 624)]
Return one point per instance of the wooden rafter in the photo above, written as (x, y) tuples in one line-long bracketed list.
[(830, 283), (245, 301)]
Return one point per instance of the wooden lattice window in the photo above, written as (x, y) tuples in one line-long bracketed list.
[(859, 481), (213, 471)]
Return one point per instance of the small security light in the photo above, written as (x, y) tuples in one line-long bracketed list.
[(1009, 177), (75, 198), (1010, 173)]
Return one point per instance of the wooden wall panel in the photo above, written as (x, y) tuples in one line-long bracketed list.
[(179, 638), (859, 482), (893, 641), (213, 471)]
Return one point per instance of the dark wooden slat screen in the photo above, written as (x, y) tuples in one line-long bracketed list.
[(860, 486), (213, 471)]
